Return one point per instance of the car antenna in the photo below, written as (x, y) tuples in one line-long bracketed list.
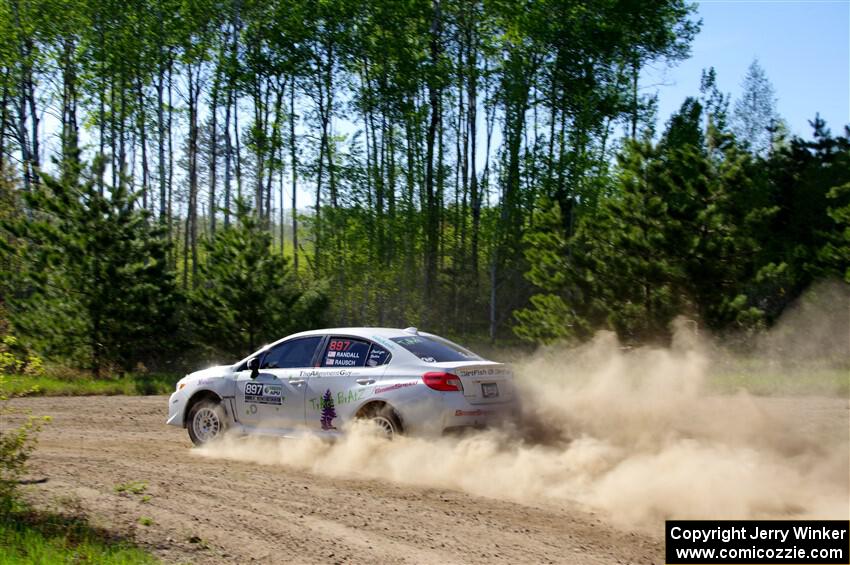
[(412, 330)]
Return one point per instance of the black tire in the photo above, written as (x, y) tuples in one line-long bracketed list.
[(386, 420), (207, 421)]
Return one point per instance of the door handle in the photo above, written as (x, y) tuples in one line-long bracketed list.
[(296, 381), (365, 381)]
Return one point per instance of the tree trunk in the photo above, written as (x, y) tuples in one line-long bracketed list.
[(70, 141), (430, 196), (102, 114), (36, 150), (194, 95), (160, 126), (327, 125), (112, 131), (294, 157), (143, 136), (228, 149), (4, 117), (238, 147), (472, 105), (259, 131), (169, 209), (122, 149), (23, 139), (213, 151), (274, 148)]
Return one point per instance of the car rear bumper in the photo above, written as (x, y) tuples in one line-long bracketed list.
[(459, 414)]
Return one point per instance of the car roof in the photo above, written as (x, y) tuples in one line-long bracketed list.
[(363, 331)]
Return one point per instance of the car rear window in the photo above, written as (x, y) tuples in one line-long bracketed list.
[(377, 356), (433, 349)]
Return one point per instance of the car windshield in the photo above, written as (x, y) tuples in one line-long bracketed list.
[(433, 349)]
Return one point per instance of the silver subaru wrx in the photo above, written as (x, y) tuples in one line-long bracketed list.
[(404, 381)]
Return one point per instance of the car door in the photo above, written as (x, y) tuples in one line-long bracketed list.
[(346, 372), (274, 399)]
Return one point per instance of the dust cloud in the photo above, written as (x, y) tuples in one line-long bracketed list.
[(635, 434)]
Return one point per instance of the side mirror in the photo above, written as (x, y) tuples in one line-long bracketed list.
[(254, 366)]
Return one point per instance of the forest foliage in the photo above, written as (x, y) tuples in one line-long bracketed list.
[(485, 169)]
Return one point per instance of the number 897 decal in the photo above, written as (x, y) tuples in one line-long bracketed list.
[(263, 394)]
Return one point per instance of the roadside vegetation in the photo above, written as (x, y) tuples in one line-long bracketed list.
[(68, 383), (26, 374), (30, 536), (485, 170), (762, 380)]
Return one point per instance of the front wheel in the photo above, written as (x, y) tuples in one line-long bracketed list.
[(206, 422)]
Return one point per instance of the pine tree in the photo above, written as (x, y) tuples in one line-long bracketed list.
[(808, 184), (98, 284), (677, 237), (246, 294), (328, 411)]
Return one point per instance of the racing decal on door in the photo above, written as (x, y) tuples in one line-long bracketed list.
[(328, 411), (342, 397), (263, 393)]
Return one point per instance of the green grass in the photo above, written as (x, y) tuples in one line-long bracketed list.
[(778, 382), (73, 384), (29, 537), (135, 487)]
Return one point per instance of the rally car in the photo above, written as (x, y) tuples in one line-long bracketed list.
[(404, 381)]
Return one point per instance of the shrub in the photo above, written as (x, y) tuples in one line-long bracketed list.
[(16, 444)]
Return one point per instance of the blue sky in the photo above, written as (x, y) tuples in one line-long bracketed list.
[(803, 45)]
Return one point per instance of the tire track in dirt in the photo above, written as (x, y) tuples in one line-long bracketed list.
[(271, 514)]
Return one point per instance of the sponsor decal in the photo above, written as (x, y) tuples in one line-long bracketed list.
[(345, 353), (350, 396), (342, 397), (339, 345), (408, 340), (315, 373), (377, 356), (385, 342), (478, 412), (328, 411), (380, 389), (264, 393), (482, 372)]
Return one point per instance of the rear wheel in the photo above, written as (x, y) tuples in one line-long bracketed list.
[(206, 422), (385, 420)]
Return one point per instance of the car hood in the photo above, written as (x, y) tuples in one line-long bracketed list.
[(209, 373)]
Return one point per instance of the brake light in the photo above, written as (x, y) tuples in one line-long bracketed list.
[(443, 381)]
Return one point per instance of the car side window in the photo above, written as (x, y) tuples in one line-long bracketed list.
[(377, 356), (291, 354), (346, 352)]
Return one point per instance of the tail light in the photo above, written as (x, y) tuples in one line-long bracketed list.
[(443, 381)]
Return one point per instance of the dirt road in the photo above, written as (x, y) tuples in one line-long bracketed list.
[(215, 511)]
